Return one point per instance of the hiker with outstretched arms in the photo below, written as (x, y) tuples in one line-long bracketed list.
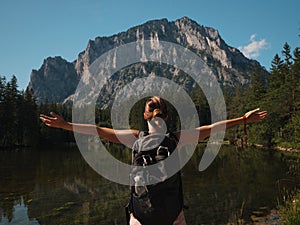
[(161, 203)]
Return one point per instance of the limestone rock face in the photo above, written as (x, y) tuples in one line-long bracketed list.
[(57, 79), (54, 81)]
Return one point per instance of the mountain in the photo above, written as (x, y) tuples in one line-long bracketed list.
[(57, 79)]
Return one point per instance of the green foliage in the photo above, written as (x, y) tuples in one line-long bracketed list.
[(279, 94), (19, 118), (52, 136), (18, 115), (290, 212), (291, 131)]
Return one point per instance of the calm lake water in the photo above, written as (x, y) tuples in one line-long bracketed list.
[(56, 186)]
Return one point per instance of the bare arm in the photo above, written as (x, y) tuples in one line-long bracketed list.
[(205, 131), (109, 134)]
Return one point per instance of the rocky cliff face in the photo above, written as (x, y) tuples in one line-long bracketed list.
[(57, 79)]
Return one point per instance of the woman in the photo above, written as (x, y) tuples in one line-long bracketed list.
[(155, 113)]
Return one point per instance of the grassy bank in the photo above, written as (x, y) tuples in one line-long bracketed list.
[(290, 211)]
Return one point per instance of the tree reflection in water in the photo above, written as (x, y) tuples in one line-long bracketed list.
[(58, 187)]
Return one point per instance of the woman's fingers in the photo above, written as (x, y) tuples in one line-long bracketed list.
[(263, 114), (256, 115), (42, 116), (53, 121), (55, 115), (46, 120)]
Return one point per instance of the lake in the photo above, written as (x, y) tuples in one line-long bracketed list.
[(57, 186)]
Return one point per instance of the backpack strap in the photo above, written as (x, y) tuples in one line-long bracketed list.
[(179, 174), (143, 134), (172, 135)]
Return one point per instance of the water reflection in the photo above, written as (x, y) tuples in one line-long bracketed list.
[(236, 184), (58, 187), (19, 216)]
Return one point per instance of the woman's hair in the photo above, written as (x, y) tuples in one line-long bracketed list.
[(155, 107)]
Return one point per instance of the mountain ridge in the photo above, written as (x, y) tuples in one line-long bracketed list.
[(229, 65)]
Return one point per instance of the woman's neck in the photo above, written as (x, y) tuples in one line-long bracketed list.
[(157, 125)]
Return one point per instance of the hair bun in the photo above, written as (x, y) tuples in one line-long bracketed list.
[(156, 112)]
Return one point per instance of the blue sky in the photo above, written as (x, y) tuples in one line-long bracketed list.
[(33, 30)]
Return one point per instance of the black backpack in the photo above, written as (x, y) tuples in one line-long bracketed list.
[(159, 203)]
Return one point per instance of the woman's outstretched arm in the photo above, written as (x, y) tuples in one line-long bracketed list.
[(205, 131), (109, 134)]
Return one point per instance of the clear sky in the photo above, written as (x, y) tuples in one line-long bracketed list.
[(33, 30)]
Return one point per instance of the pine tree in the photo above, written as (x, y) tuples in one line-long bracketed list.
[(286, 52), (10, 113), (2, 107), (276, 78), (30, 122), (289, 77), (296, 75), (257, 89), (235, 106), (291, 130)]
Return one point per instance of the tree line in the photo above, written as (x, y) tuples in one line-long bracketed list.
[(279, 94), (19, 118), (18, 115)]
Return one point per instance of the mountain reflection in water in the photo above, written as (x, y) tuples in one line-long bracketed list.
[(57, 186)]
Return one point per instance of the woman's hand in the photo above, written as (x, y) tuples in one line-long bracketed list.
[(54, 120), (255, 115)]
